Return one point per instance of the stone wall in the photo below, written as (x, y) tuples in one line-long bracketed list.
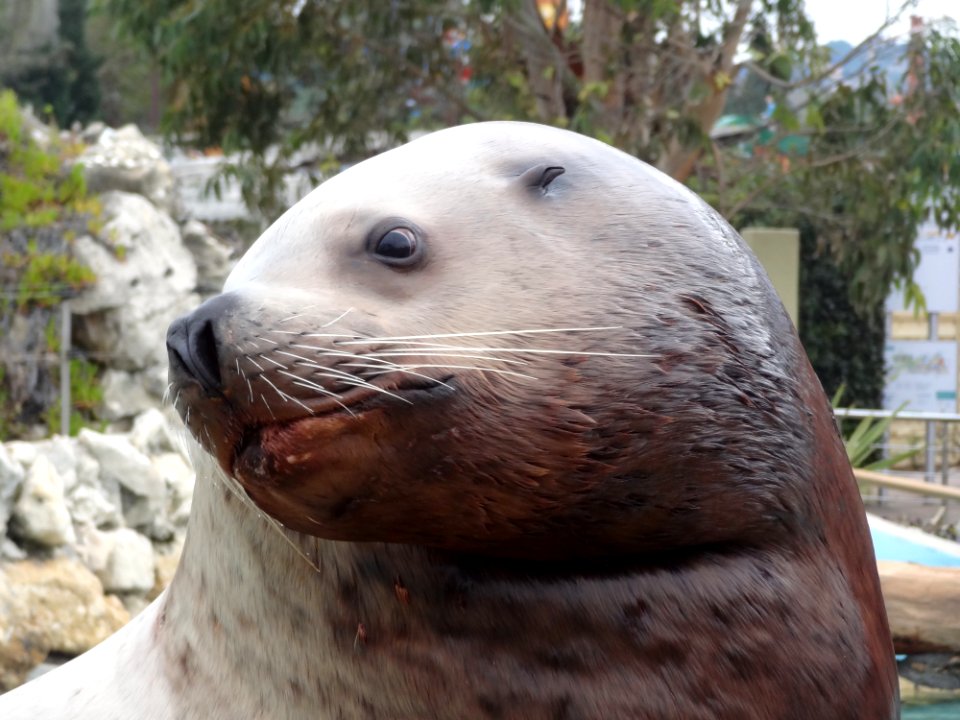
[(91, 527), (90, 531)]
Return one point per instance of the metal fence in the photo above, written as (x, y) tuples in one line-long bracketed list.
[(936, 436)]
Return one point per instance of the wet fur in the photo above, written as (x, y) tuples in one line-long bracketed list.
[(657, 521)]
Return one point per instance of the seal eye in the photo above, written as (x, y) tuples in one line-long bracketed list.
[(398, 246)]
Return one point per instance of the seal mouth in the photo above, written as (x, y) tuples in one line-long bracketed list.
[(262, 447)]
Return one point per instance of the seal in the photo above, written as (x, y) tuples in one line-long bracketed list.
[(502, 423)]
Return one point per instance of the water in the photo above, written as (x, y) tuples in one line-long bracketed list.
[(893, 542), (942, 711)]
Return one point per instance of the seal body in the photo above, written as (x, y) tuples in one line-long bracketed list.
[(503, 423)]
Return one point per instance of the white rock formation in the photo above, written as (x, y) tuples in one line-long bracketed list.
[(145, 279), (11, 478), (40, 514), (123, 159)]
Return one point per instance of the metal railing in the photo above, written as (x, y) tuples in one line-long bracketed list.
[(931, 420)]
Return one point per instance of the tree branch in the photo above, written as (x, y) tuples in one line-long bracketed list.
[(866, 44)]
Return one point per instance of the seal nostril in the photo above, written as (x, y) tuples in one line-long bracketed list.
[(205, 361), (194, 342)]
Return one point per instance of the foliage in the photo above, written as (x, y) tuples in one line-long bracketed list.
[(42, 208), (63, 81), (299, 83), (128, 79), (844, 343), (86, 394), (46, 277), (35, 192), (883, 158), (861, 442)]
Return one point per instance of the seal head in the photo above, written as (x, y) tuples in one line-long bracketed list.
[(511, 341)]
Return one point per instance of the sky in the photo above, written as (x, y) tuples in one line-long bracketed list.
[(854, 20)]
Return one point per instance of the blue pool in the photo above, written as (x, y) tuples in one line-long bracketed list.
[(895, 542)]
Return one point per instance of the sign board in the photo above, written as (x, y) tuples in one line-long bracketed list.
[(922, 374), (938, 273)]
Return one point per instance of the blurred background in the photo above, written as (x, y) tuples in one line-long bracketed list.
[(144, 144)]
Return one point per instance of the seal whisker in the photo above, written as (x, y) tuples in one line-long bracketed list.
[(283, 395), (282, 532), (495, 371), (237, 490), (312, 335), (338, 318), (438, 353), (484, 333), (302, 382), (299, 380), (257, 365), (326, 352), (397, 368), (340, 375), (271, 360), (269, 409), (532, 351), (294, 356)]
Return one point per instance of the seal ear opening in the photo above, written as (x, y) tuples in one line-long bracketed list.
[(539, 177)]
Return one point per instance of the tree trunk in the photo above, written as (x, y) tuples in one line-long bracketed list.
[(546, 67), (923, 606), (679, 160)]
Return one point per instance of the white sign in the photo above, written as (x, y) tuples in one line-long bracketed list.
[(921, 374), (938, 273)]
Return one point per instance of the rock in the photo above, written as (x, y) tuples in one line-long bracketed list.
[(135, 604), (40, 514), (51, 606), (92, 132), (923, 604), (123, 159), (43, 134), (124, 396), (178, 476), (9, 550), (211, 255), (11, 479), (23, 453), (160, 530), (152, 434), (138, 251), (62, 453), (93, 501), (130, 565), (165, 568), (94, 548), (143, 491), (156, 380), (181, 515), (43, 668), (145, 279), (122, 462)]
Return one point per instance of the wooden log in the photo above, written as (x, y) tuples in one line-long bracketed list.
[(923, 606), (868, 477)]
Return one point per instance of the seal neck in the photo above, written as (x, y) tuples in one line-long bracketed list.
[(258, 623)]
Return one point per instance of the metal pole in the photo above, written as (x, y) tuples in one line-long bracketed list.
[(945, 455), (930, 463), (65, 332)]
